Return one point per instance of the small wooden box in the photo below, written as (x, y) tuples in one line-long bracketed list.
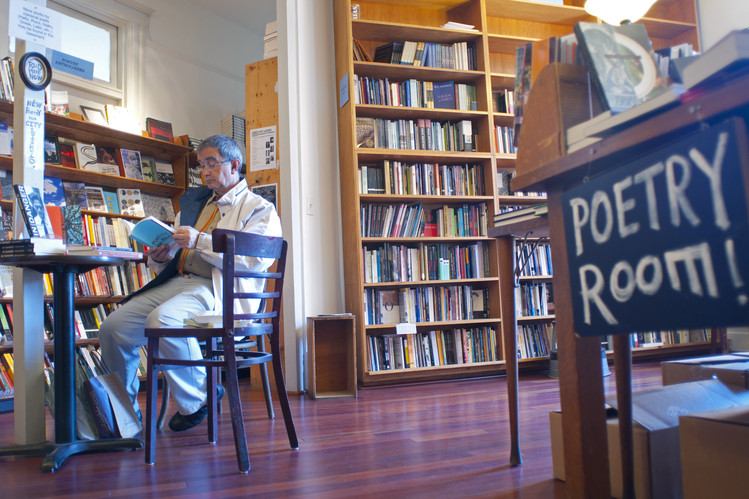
[(331, 354)]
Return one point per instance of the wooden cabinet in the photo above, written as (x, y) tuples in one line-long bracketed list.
[(500, 27), (331, 356)]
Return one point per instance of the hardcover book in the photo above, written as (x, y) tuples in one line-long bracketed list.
[(113, 204), (621, 62), (365, 132), (31, 204), (157, 206), (148, 169), (131, 202), (95, 198), (130, 163), (164, 173), (67, 154), (161, 130), (75, 194), (106, 159), (72, 224), (85, 157), (728, 56), (51, 150), (53, 191), (444, 94)]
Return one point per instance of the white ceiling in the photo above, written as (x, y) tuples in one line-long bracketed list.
[(252, 14)]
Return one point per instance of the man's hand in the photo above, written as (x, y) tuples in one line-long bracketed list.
[(160, 254), (186, 237)]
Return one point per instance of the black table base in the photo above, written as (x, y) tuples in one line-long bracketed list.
[(56, 453)]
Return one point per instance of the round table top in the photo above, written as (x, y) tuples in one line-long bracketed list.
[(60, 262)]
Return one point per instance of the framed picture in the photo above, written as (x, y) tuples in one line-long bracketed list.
[(94, 115), (267, 191), (51, 150)]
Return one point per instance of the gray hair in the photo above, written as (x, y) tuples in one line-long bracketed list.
[(226, 146)]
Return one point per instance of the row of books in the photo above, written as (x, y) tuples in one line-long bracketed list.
[(403, 220), (458, 55), (415, 93), (536, 259), (534, 299), (422, 179), (534, 340), (520, 214), (650, 339), (7, 69), (420, 134), (424, 262), (424, 304), (433, 349), (504, 139), (503, 101), (503, 189)]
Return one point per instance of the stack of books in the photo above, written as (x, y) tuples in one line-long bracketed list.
[(270, 40), (510, 217), (31, 247)]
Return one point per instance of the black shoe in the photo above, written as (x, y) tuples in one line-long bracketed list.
[(180, 422)]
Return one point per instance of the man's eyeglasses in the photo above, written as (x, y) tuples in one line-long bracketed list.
[(211, 164)]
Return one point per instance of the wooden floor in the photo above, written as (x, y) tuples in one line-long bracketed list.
[(446, 439)]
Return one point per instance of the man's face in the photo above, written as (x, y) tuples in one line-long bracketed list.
[(217, 172)]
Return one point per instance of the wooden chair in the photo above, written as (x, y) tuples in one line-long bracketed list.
[(231, 244)]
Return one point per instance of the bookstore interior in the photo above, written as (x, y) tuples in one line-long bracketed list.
[(500, 164)]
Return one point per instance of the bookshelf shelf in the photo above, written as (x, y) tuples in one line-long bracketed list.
[(501, 26)]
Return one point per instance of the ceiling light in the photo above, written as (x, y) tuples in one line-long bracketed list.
[(617, 12)]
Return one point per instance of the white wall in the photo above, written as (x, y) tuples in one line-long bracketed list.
[(718, 17)]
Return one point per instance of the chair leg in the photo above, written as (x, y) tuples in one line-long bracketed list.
[(212, 416), (164, 404), (283, 397), (151, 392), (237, 417), (264, 379)]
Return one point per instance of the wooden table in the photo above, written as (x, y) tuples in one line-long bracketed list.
[(506, 236), (64, 269), (581, 385)]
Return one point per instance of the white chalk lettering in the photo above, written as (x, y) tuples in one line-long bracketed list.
[(622, 207), (646, 176), (622, 293), (677, 198), (649, 287), (713, 173), (601, 200), (580, 213), (688, 256), (593, 294)]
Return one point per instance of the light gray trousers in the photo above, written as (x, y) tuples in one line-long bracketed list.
[(122, 334)]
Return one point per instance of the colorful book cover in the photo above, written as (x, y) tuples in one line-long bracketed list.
[(130, 164), (106, 159), (113, 204), (75, 194), (72, 224), (32, 209), (164, 172), (148, 168), (131, 202), (53, 191), (95, 198)]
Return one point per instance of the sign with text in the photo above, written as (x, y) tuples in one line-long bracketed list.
[(34, 23), (663, 242), (70, 64)]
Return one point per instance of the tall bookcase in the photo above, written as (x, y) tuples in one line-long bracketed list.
[(86, 132), (500, 27)]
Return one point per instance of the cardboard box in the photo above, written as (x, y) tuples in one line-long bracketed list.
[(714, 448), (732, 369), (655, 415)]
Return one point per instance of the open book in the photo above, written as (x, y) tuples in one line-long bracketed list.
[(152, 232)]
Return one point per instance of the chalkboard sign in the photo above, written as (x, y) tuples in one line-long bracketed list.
[(662, 242)]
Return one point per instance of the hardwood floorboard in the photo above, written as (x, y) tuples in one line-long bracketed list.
[(442, 439)]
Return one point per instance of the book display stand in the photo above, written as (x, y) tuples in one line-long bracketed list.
[(698, 120)]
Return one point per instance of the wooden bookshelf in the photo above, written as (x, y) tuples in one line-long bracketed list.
[(82, 131), (500, 26)]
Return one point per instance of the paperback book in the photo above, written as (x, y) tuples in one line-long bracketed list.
[(31, 203), (131, 202), (153, 233)]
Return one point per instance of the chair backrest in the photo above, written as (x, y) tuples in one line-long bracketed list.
[(237, 244)]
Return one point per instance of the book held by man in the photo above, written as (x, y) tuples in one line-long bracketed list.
[(152, 232)]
